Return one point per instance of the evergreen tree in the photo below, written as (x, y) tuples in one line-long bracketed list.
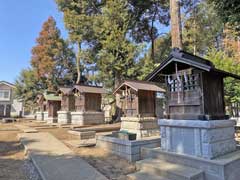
[(27, 87), (117, 54), (79, 20), (202, 29)]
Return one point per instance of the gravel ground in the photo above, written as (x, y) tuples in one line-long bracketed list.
[(30, 171)]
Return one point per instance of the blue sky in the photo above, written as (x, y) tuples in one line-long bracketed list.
[(20, 24)]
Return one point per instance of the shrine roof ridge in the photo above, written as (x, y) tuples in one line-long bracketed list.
[(90, 89), (140, 85), (183, 57)]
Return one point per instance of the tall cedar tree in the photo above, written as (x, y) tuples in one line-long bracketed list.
[(202, 29), (176, 30), (52, 59), (117, 54), (78, 20)]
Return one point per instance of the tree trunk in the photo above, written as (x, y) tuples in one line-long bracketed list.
[(176, 30), (78, 58)]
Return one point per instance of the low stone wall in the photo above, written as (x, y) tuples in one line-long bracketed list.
[(142, 126), (39, 116), (207, 139), (130, 150), (45, 116), (87, 118), (64, 117)]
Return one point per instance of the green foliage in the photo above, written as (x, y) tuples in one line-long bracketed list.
[(116, 58), (229, 10), (162, 50), (78, 20), (27, 87), (231, 86), (201, 29)]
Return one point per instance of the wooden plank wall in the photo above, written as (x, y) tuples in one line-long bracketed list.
[(93, 102), (213, 94), (146, 103)]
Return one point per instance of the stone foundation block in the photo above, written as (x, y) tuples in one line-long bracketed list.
[(87, 118), (207, 139), (39, 116), (142, 126), (45, 116), (64, 117)]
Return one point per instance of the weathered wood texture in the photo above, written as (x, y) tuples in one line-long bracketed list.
[(88, 102), (68, 103), (141, 103), (213, 92), (93, 102), (53, 108), (147, 103), (199, 96)]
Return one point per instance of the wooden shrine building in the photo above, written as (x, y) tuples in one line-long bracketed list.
[(195, 88), (137, 98), (88, 101), (67, 98), (138, 103), (41, 103), (88, 98)]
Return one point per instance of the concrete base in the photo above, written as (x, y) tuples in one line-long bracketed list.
[(126, 149), (142, 126), (64, 117), (45, 116), (87, 118), (52, 120), (222, 168), (39, 116), (206, 139)]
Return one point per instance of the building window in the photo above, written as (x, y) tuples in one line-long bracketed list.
[(5, 95)]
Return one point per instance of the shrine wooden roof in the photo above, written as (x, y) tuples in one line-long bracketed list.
[(51, 96), (186, 60), (90, 89), (139, 85), (65, 90)]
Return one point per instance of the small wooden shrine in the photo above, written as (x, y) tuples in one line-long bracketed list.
[(67, 99), (88, 98), (53, 102), (41, 103), (88, 101), (138, 98), (195, 88), (138, 103), (196, 123)]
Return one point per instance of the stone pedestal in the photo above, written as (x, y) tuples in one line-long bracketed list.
[(64, 117), (52, 120), (39, 116), (142, 126), (87, 118), (206, 139), (45, 116)]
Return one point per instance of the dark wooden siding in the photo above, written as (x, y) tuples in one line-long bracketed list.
[(213, 93), (68, 103), (146, 103), (53, 108), (92, 102)]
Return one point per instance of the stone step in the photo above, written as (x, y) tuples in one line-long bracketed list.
[(169, 170), (141, 175)]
